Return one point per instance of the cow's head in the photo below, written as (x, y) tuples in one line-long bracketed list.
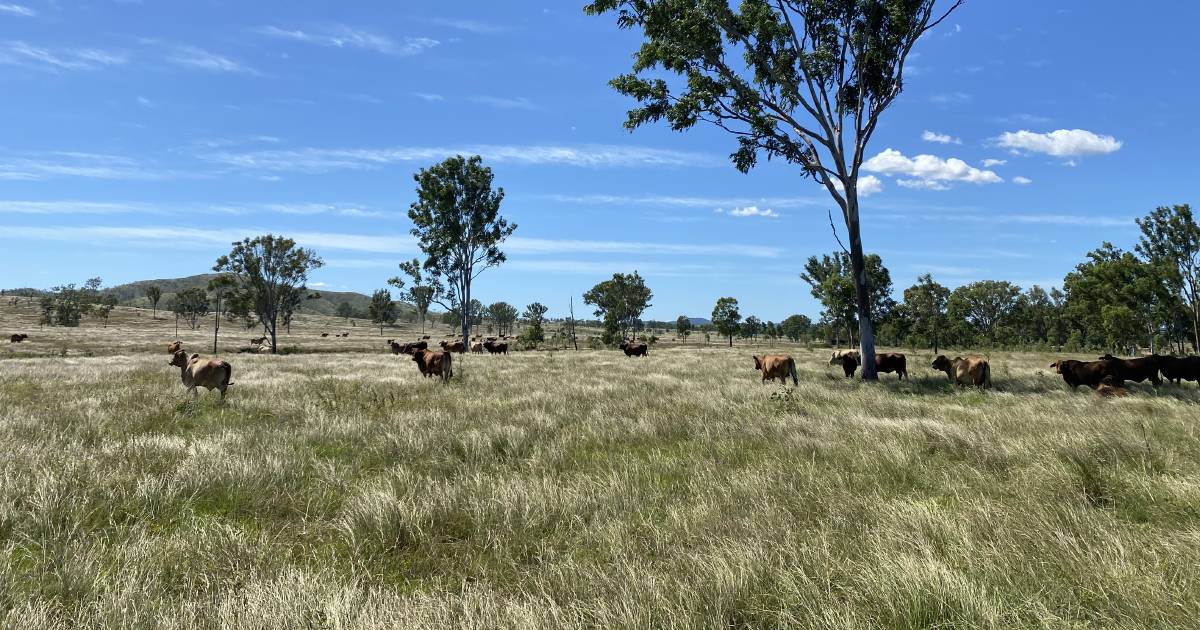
[(1058, 366), (941, 363), (179, 359), (757, 363)]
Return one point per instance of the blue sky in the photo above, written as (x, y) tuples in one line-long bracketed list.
[(142, 137)]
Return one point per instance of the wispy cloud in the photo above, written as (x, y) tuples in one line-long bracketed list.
[(75, 207), (1022, 181), (684, 201), (17, 9), (19, 53), (500, 102), (429, 96), (472, 26), (342, 36), (939, 138), (74, 164), (195, 57), (314, 160), (951, 98)]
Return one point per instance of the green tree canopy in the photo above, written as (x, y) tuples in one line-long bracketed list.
[(619, 302), (269, 272), (382, 310), (925, 306), (725, 317)]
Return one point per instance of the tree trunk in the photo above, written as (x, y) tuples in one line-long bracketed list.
[(730, 340), (216, 325), (466, 311), (866, 335)]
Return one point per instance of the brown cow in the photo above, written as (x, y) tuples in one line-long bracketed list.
[(396, 348), (258, 341), (634, 349), (969, 371), (174, 346), (432, 363), (885, 363), (1136, 370), (208, 373), (1108, 390), (454, 346), (477, 348), (495, 347), (776, 366), (836, 357), (1090, 373), (18, 338), (1179, 369)]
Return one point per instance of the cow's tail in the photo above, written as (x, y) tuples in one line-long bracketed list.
[(447, 366), (791, 364), (228, 374), (987, 374)]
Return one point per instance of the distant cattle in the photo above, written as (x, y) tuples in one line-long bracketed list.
[(17, 338), (345, 334), (408, 348), (885, 363), (1136, 370), (477, 347), (174, 346), (1179, 369), (454, 346), (1089, 373), (258, 341), (634, 349), (425, 337), (969, 371), (324, 334), (836, 357), (495, 347), (207, 373), (776, 366), (432, 363)]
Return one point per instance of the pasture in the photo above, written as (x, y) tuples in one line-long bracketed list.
[(337, 488)]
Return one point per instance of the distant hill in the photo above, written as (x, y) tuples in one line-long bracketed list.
[(134, 294), (699, 321)]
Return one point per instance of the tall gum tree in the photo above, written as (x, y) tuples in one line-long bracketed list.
[(804, 81)]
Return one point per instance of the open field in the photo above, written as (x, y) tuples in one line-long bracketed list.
[(337, 488)]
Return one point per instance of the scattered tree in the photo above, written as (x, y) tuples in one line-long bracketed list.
[(344, 310), (619, 301), (1171, 240), (683, 327), (725, 317), (382, 309), (804, 81), (795, 327), (154, 294), (268, 271), (190, 305), (422, 291), (925, 305), (504, 315)]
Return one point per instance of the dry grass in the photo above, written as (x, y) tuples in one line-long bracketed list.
[(340, 489)]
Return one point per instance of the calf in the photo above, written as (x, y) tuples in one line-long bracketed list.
[(1179, 369), (495, 347), (886, 363), (1136, 370), (634, 349), (969, 371), (17, 338), (208, 373), (396, 348), (776, 366), (432, 363), (1090, 373), (1108, 390)]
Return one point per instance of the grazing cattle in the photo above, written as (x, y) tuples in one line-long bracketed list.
[(396, 348), (634, 349), (477, 347), (885, 363), (17, 338), (836, 358), (1108, 390), (1136, 370), (432, 363), (208, 373), (495, 347), (324, 334), (1179, 369), (425, 337), (776, 366), (258, 341), (1090, 373), (174, 346), (345, 334), (454, 346), (408, 348), (969, 371)]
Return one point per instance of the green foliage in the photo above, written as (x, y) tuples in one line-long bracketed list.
[(831, 278), (619, 302), (154, 294), (1116, 300), (925, 306), (683, 327), (796, 327), (382, 309), (457, 223), (1171, 242), (269, 273), (535, 314), (504, 315), (725, 317), (982, 309), (752, 327), (344, 310), (190, 306)]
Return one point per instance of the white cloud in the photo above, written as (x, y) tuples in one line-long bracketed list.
[(16, 9), (314, 160), (194, 57), (686, 202), (342, 36), (939, 138), (750, 211), (1060, 143), (472, 26), (1022, 181), (75, 164), (70, 207), (428, 96), (145, 102), (950, 98), (989, 163), (19, 53), (928, 171), (867, 186), (518, 102)]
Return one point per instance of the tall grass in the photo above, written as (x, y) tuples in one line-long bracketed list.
[(341, 489)]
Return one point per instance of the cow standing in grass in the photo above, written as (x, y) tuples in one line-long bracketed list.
[(969, 371), (207, 373), (1179, 369), (634, 349), (885, 363), (432, 363), (776, 366)]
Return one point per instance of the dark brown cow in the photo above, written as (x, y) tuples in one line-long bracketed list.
[(776, 366), (454, 346), (1090, 373), (432, 363), (17, 338), (885, 363), (1108, 390), (634, 349), (495, 347), (208, 373), (1136, 370), (324, 334), (1179, 369), (396, 348), (425, 338)]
